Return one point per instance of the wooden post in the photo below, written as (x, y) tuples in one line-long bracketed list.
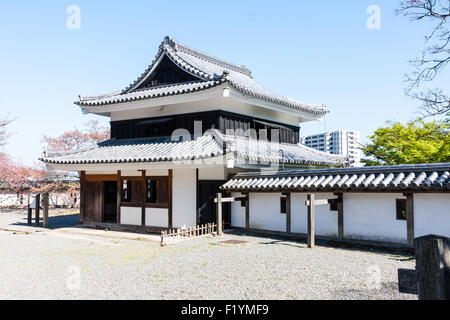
[(311, 233), (340, 206), (38, 209), (247, 212), (432, 258), (144, 196), (30, 211), (219, 214), (197, 198), (410, 218), (82, 196), (119, 194), (170, 186), (288, 212), (45, 203)]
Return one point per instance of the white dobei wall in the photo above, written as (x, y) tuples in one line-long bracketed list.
[(265, 212), (431, 214), (373, 216), (326, 221), (237, 213), (367, 216), (184, 198)]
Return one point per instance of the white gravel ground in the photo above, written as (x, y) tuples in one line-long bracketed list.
[(45, 264)]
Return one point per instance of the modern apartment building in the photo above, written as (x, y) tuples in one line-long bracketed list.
[(337, 142)]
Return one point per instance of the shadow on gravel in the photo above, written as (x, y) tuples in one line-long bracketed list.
[(370, 294), (402, 254), (65, 221)]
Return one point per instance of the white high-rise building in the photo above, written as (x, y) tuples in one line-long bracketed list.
[(337, 142)]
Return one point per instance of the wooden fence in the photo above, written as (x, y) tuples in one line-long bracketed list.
[(172, 236)]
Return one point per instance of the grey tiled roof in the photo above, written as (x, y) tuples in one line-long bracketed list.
[(156, 92), (139, 150), (267, 151), (209, 70), (211, 144), (384, 178)]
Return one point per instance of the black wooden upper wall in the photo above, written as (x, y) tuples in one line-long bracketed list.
[(167, 73), (221, 120)]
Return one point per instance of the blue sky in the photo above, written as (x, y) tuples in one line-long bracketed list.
[(315, 51)]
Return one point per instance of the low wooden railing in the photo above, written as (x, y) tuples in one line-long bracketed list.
[(172, 236)]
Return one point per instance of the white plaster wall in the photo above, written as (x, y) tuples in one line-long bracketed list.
[(265, 212), (92, 172), (431, 214), (157, 217), (326, 221), (373, 217), (159, 173), (237, 213), (212, 173), (184, 202), (178, 105), (130, 216), (130, 173)]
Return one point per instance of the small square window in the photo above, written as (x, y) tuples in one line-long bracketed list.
[(334, 205), (401, 209), (283, 201)]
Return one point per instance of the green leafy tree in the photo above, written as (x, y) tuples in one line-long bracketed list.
[(416, 142)]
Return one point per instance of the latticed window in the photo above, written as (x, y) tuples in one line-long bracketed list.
[(157, 190), (126, 191)]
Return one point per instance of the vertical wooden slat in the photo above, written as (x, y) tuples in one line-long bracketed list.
[(119, 194), (102, 201), (144, 197), (311, 233), (340, 206), (170, 197), (82, 216), (410, 218)]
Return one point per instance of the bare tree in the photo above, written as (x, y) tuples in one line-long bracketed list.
[(436, 55)]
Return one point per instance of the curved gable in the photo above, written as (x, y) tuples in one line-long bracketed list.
[(166, 72)]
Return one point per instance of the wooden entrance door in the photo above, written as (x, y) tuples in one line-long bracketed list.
[(110, 201), (93, 201), (206, 208)]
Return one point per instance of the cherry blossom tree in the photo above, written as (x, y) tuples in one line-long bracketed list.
[(76, 139)]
